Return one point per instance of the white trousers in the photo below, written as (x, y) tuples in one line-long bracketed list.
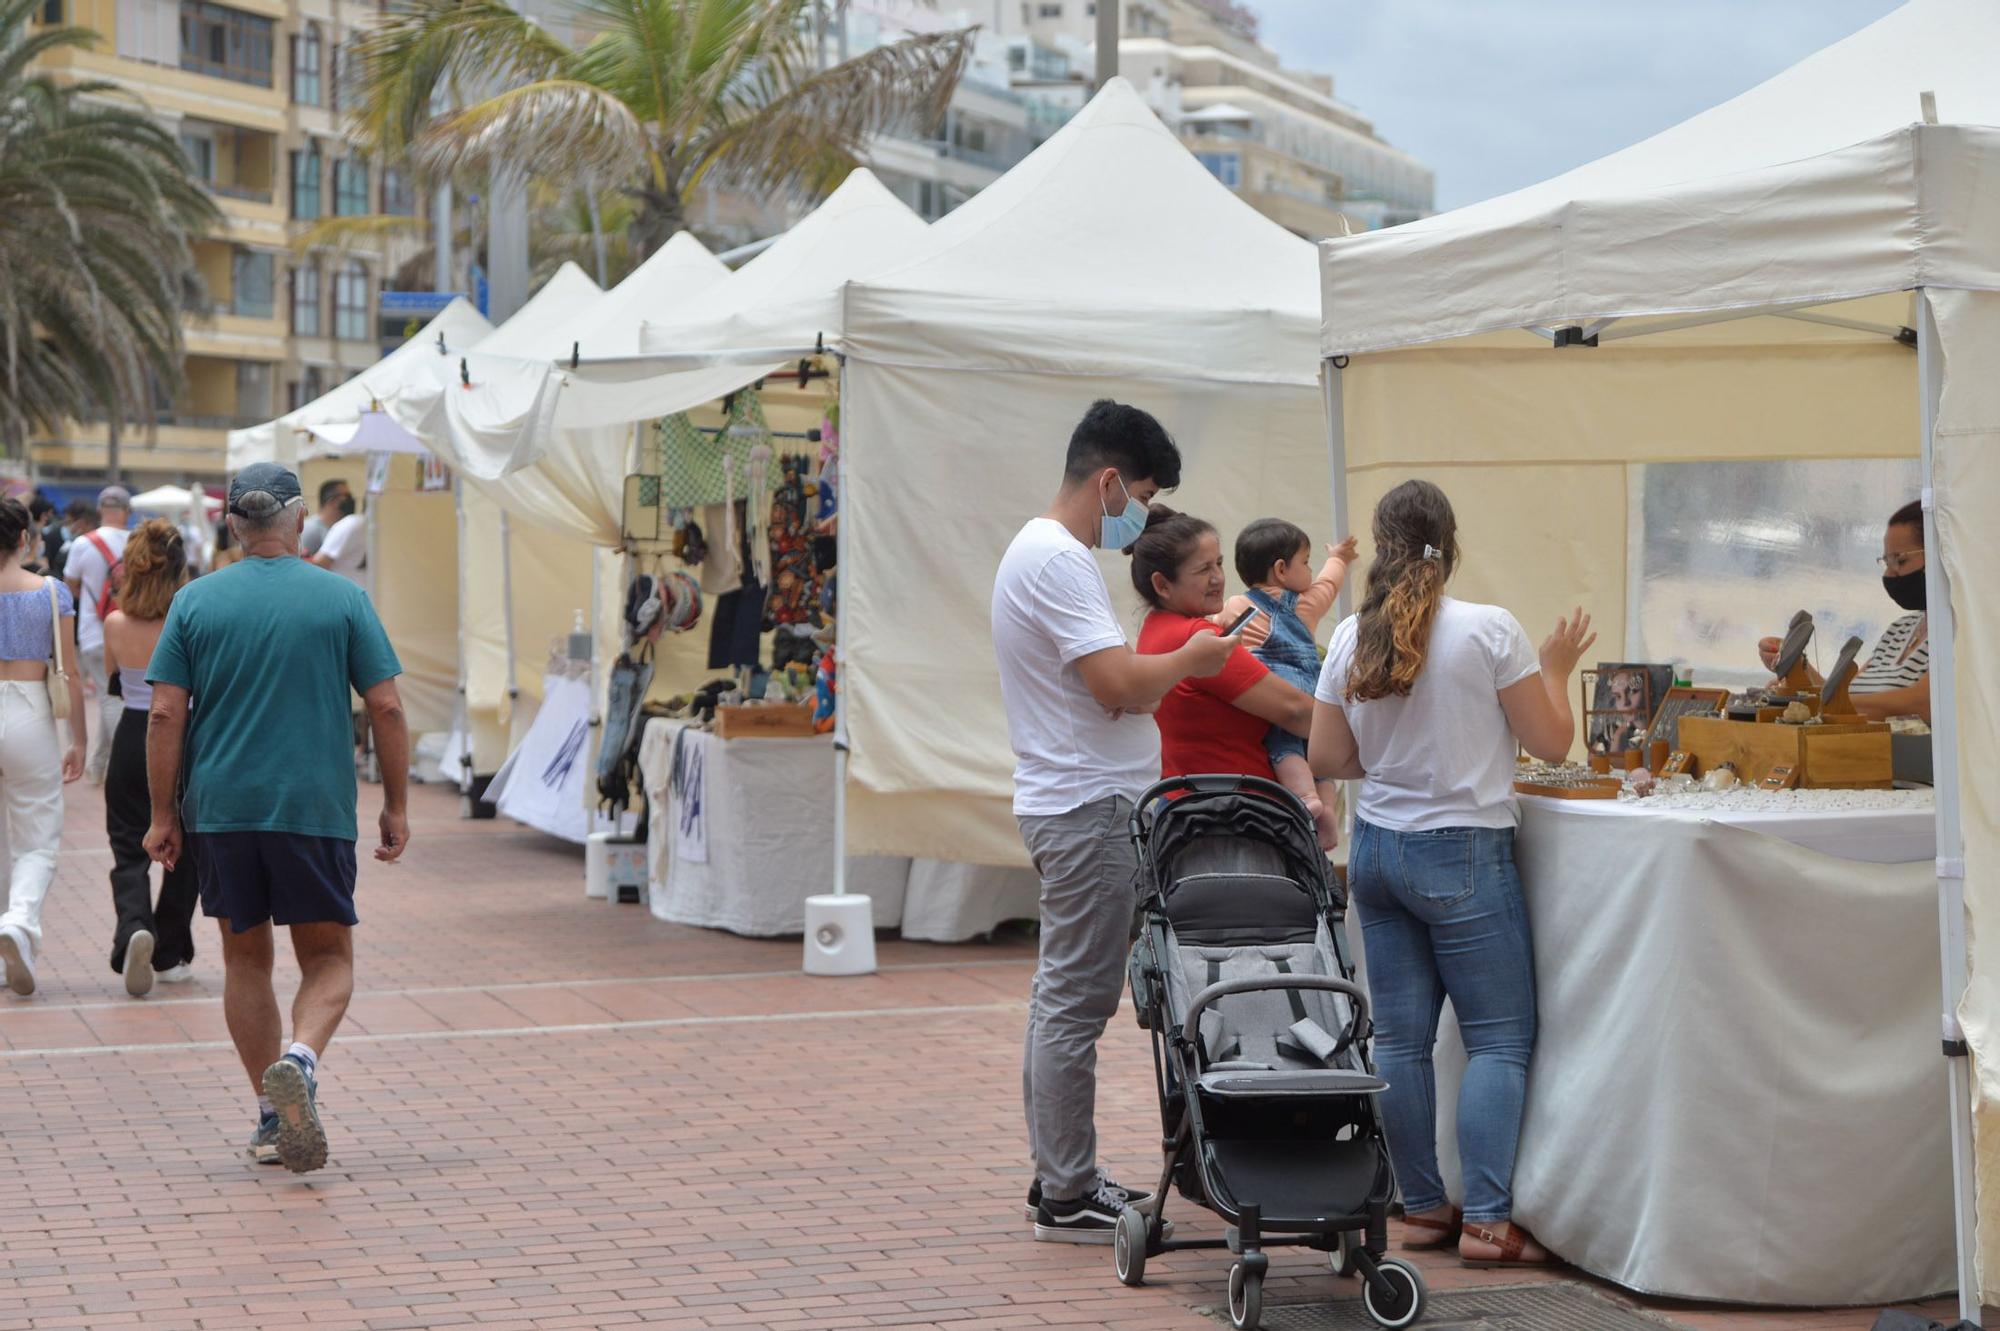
[(31, 800), (104, 721)]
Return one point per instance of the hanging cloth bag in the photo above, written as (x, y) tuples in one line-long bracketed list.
[(58, 678)]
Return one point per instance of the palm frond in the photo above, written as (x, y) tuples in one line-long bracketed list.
[(776, 138), (428, 53), (556, 127)]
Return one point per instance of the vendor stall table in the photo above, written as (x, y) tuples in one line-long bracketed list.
[(749, 836), (1737, 1090)]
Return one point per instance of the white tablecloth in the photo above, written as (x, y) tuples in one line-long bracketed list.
[(768, 811), (1737, 1090)]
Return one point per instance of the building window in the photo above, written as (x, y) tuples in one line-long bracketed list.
[(252, 279), (350, 303), (350, 188), (306, 55), (1048, 11), (52, 11), (226, 43), (200, 150), (305, 184), (301, 391), (253, 391), (1225, 167), (399, 194), (305, 299)]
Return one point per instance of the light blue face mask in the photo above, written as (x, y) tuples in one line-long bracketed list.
[(1118, 530)]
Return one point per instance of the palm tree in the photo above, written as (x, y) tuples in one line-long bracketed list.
[(98, 207), (663, 95)]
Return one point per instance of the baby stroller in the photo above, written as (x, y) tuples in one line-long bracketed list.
[(1260, 1046)]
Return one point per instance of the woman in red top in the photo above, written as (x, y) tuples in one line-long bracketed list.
[(1212, 726)]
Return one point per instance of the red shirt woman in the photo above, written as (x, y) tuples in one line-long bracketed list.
[(1214, 725)]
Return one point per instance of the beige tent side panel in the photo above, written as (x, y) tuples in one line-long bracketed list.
[(1967, 481), (941, 470), (482, 623), (416, 592), (960, 829), (1646, 399)]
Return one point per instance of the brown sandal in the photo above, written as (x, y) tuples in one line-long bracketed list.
[(1442, 1233), (1510, 1248)]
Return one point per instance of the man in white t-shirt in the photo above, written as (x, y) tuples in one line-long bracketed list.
[(1078, 705), (345, 549), (336, 501), (88, 570)]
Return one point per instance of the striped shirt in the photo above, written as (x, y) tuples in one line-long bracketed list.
[(1887, 667)]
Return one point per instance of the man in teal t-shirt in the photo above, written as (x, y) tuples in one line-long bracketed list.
[(251, 680)]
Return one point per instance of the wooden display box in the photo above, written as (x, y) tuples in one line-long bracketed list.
[(765, 721), (1852, 755)]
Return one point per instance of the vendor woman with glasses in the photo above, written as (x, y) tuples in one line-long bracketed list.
[(1896, 681)]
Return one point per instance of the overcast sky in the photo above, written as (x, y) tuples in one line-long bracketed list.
[(1498, 94)]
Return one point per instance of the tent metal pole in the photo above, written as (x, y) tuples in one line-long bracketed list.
[(461, 718), (1942, 628), (843, 573), (507, 617), (1335, 393)]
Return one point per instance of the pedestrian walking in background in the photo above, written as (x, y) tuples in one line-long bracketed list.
[(336, 501), (267, 650), (37, 632), (92, 571), (152, 941)]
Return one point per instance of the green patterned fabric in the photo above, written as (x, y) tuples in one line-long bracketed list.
[(689, 463)]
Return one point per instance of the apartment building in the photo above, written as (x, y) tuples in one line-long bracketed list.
[(252, 89), (1278, 137)]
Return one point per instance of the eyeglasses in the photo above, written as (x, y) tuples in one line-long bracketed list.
[(1901, 563)]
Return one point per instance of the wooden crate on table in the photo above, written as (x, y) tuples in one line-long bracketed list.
[(1847, 755), (768, 721)]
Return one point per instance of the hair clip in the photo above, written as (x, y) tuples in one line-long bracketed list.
[(1432, 552)]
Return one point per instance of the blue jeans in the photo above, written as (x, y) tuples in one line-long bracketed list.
[(1442, 914)]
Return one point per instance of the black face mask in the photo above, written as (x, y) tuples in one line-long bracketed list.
[(1906, 589), (347, 507)]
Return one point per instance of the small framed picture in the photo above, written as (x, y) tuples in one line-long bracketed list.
[(1622, 702)]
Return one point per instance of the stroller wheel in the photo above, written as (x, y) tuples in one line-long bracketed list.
[(1401, 1302), (1246, 1298), (1341, 1259), (1128, 1246)]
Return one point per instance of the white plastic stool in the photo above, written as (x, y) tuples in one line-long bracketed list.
[(840, 935), (597, 865)]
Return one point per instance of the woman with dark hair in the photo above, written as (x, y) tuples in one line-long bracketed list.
[(1423, 699), (1896, 680), (1215, 724), (37, 628), (151, 942)]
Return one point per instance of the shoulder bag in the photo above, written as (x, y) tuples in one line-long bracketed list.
[(58, 678)]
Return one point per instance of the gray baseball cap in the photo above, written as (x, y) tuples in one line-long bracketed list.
[(262, 478), (114, 496)]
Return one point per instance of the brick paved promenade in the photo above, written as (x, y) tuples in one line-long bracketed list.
[(546, 1112)]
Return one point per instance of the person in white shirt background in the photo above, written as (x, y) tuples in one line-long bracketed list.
[(1078, 703), (345, 549), (336, 501), (92, 557), (1423, 699)]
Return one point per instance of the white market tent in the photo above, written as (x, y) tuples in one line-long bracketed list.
[(1109, 263), (334, 416), (171, 501), (1745, 286)]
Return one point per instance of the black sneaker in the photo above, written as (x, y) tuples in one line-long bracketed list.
[(1091, 1218), (1132, 1198), (301, 1139)]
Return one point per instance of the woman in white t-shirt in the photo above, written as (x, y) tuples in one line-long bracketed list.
[(1423, 699)]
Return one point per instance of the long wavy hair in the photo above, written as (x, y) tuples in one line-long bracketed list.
[(1416, 550), (155, 563)]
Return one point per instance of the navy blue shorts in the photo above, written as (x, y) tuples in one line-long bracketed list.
[(250, 877)]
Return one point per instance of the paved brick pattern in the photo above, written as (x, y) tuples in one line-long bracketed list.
[(547, 1112)]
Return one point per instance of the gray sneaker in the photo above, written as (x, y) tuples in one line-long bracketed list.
[(301, 1139), (264, 1141), (139, 964), (18, 957)]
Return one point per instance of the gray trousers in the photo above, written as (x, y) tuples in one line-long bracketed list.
[(1089, 876)]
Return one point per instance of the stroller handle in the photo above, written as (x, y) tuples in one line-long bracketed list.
[(1218, 784), (1251, 983)]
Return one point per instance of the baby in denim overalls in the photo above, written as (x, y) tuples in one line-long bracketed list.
[(1274, 559)]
